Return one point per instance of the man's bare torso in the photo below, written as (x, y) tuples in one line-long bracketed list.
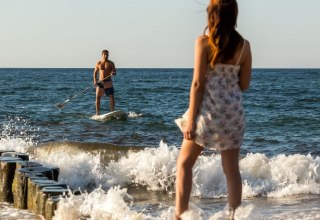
[(105, 69)]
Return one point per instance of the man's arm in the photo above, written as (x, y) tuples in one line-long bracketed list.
[(114, 71), (95, 72)]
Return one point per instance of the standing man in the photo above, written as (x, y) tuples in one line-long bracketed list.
[(106, 70)]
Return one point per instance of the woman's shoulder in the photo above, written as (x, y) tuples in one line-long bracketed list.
[(246, 45), (202, 41), (244, 40)]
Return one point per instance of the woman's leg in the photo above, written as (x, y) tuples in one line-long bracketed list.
[(187, 157), (230, 164)]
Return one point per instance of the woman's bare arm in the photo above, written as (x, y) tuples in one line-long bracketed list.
[(245, 71), (198, 82)]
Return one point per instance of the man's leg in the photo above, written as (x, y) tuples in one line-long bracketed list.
[(110, 92), (111, 103), (98, 105)]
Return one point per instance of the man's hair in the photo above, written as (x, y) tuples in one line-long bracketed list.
[(105, 51)]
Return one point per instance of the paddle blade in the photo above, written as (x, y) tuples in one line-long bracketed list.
[(60, 105)]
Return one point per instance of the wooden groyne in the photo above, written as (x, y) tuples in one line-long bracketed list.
[(30, 185)]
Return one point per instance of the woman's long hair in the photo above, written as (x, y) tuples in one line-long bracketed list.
[(223, 38)]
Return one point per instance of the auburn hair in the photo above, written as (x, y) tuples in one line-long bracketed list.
[(223, 38)]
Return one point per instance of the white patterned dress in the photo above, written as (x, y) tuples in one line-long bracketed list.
[(220, 121)]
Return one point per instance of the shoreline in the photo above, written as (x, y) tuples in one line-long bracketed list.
[(289, 208)]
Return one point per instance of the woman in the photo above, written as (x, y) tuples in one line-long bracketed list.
[(215, 118)]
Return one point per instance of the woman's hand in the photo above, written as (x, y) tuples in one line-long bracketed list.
[(188, 132)]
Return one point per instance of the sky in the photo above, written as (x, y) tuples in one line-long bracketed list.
[(150, 33)]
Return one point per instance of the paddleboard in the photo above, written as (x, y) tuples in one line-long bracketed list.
[(110, 115)]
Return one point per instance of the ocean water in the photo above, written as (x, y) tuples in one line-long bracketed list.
[(125, 168)]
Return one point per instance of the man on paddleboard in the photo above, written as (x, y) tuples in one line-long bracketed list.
[(106, 70)]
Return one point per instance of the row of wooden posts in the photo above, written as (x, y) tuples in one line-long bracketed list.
[(30, 185)]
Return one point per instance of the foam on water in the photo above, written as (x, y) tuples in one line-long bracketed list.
[(155, 168), (15, 135), (82, 170), (208, 178), (244, 212), (152, 167), (310, 215), (117, 204), (279, 176), (134, 115), (114, 205), (8, 212)]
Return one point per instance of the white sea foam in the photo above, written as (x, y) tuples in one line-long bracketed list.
[(208, 178), (14, 135), (244, 212), (277, 177), (152, 167), (99, 205), (8, 212), (117, 204), (15, 144), (155, 168), (134, 115), (80, 170), (281, 175), (310, 215)]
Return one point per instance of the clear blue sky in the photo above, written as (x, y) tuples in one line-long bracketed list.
[(150, 33)]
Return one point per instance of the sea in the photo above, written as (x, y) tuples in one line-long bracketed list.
[(124, 168)]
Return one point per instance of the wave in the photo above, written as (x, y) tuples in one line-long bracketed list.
[(88, 165), (111, 173), (116, 204)]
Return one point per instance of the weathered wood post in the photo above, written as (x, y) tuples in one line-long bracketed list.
[(46, 193), (35, 187), (22, 156), (7, 169), (20, 183), (51, 206)]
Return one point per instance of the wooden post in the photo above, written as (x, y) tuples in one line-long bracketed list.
[(35, 187), (20, 184), (7, 169), (51, 206), (46, 193), (22, 156)]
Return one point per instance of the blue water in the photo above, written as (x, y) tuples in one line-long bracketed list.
[(282, 107), (280, 156)]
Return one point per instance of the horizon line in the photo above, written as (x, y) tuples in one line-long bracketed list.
[(150, 68)]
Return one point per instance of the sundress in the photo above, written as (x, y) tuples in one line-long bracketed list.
[(220, 121)]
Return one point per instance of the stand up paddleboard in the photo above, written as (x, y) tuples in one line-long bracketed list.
[(111, 115)]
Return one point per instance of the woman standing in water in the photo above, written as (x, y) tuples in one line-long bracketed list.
[(215, 118)]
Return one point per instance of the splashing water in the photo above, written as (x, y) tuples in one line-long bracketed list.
[(16, 135)]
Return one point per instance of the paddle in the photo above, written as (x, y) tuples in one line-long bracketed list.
[(62, 104)]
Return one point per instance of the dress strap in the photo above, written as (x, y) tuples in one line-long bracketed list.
[(244, 42)]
